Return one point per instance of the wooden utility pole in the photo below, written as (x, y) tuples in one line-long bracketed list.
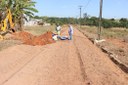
[(100, 20)]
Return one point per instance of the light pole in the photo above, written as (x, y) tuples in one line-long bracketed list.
[(80, 7), (100, 20)]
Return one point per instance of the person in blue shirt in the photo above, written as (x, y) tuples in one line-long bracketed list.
[(70, 32)]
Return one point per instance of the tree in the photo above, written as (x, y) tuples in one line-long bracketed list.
[(20, 9), (23, 9), (106, 23), (123, 22)]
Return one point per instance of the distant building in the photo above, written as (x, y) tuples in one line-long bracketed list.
[(46, 24), (32, 22)]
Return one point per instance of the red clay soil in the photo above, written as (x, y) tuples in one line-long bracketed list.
[(117, 42), (29, 39)]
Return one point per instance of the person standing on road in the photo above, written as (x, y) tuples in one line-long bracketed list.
[(70, 32), (58, 29)]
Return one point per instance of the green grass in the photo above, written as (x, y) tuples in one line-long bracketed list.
[(8, 43), (108, 33), (38, 30)]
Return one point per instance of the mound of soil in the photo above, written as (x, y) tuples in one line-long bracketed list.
[(29, 39)]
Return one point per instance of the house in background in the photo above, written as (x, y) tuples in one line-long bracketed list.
[(35, 22), (32, 22)]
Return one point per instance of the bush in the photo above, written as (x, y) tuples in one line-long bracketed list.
[(91, 21), (107, 23)]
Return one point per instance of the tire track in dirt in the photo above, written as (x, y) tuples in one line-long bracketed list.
[(21, 68), (51, 68), (83, 73)]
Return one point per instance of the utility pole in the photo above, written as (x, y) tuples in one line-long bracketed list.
[(100, 20), (80, 7)]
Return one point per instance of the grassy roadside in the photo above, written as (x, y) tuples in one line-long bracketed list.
[(107, 33), (38, 30), (116, 41)]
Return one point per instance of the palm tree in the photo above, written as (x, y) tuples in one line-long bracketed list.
[(20, 9), (4, 4), (23, 9)]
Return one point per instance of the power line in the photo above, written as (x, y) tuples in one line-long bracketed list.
[(87, 4)]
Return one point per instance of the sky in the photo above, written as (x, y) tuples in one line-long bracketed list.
[(70, 8)]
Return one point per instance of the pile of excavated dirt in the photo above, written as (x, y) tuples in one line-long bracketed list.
[(29, 39)]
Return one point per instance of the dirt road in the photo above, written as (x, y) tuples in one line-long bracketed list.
[(76, 62)]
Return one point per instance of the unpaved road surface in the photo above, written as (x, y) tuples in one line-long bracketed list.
[(75, 62)]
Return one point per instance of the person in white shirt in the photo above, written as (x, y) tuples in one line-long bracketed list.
[(58, 29)]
